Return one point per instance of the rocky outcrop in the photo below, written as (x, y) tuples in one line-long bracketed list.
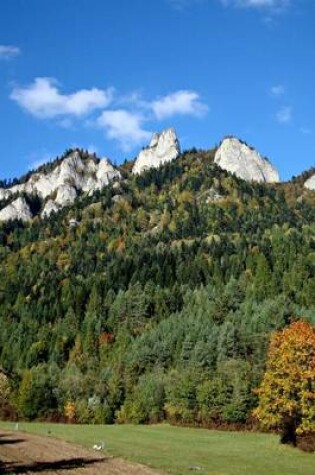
[(245, 162), (66, 195), (49, 208), (164, 147), (4, 193), (18, 209), (82, 174), (63, 184), (310, 183)]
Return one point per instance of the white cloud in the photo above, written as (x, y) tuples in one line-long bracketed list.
[(273, 4), (9, 51), (43, 99), (183, 102), (284, 115), (125, 127), (124, 122), (278, 90)]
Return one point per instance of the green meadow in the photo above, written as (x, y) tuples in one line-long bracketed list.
[(180, 451)]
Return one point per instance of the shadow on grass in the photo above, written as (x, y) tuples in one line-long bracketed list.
[(42, 467)]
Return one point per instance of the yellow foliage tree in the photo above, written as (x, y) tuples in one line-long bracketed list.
[(4, 387), (70, 411), (287, 392)]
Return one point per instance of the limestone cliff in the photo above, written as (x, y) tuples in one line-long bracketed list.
[(18, 209), (60, 186), (245, 162), (310, 183), (164, 147)]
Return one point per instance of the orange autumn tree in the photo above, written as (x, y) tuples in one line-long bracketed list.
[(287, 392)]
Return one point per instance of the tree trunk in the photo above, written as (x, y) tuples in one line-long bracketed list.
[(288, 431)]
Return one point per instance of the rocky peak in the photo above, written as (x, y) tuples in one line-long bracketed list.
[(164, 147), (310, 183), (245, 162), (61, 185), (18, 209)]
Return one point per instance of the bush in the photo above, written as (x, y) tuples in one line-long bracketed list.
[(145, 403), (307, 442)]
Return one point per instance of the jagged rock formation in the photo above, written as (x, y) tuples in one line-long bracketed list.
[(310, 183), (66, 195), (246, 163), (62, 185), (18, 209), (164, 147), (49, 207)]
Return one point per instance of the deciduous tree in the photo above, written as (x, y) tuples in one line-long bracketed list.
[(287, 392)]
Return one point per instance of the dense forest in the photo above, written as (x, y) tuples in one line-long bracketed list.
[(155, 298)]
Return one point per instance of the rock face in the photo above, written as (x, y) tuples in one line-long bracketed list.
[(310, 183), (164, 147), (49, 207), (18, 209), (238, 158), (62, 185)]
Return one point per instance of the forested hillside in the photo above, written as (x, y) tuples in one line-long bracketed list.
[(154, 298)]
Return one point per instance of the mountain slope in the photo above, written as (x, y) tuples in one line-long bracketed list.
[(138, 302)]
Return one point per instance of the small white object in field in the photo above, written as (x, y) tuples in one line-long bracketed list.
[(99, 446)]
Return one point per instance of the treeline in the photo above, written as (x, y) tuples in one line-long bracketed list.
[(159, 302)]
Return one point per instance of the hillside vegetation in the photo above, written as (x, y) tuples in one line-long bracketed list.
[(154, 299)]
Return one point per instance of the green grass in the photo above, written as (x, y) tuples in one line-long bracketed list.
[(176, 450)]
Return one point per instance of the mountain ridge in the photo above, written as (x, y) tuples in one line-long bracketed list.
[(58, 183)]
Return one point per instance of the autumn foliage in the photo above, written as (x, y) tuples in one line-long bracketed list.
[(4, 387), (287, 392), (70, 411)]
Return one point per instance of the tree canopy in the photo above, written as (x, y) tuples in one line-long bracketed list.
[(287, 391)]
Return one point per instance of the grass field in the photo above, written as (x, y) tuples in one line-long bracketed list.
[(180, 451)]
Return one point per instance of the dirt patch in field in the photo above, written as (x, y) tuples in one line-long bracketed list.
[(22, 453)]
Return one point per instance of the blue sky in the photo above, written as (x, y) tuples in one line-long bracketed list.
[(105, 74)]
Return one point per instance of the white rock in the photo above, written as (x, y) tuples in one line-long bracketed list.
[(240, 159), (105, 173), (73, 174), (49, 207), (18, 209), (117, 198), (4, 193), (212, 196), (66, 195), (310, 183), (164, 147)]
